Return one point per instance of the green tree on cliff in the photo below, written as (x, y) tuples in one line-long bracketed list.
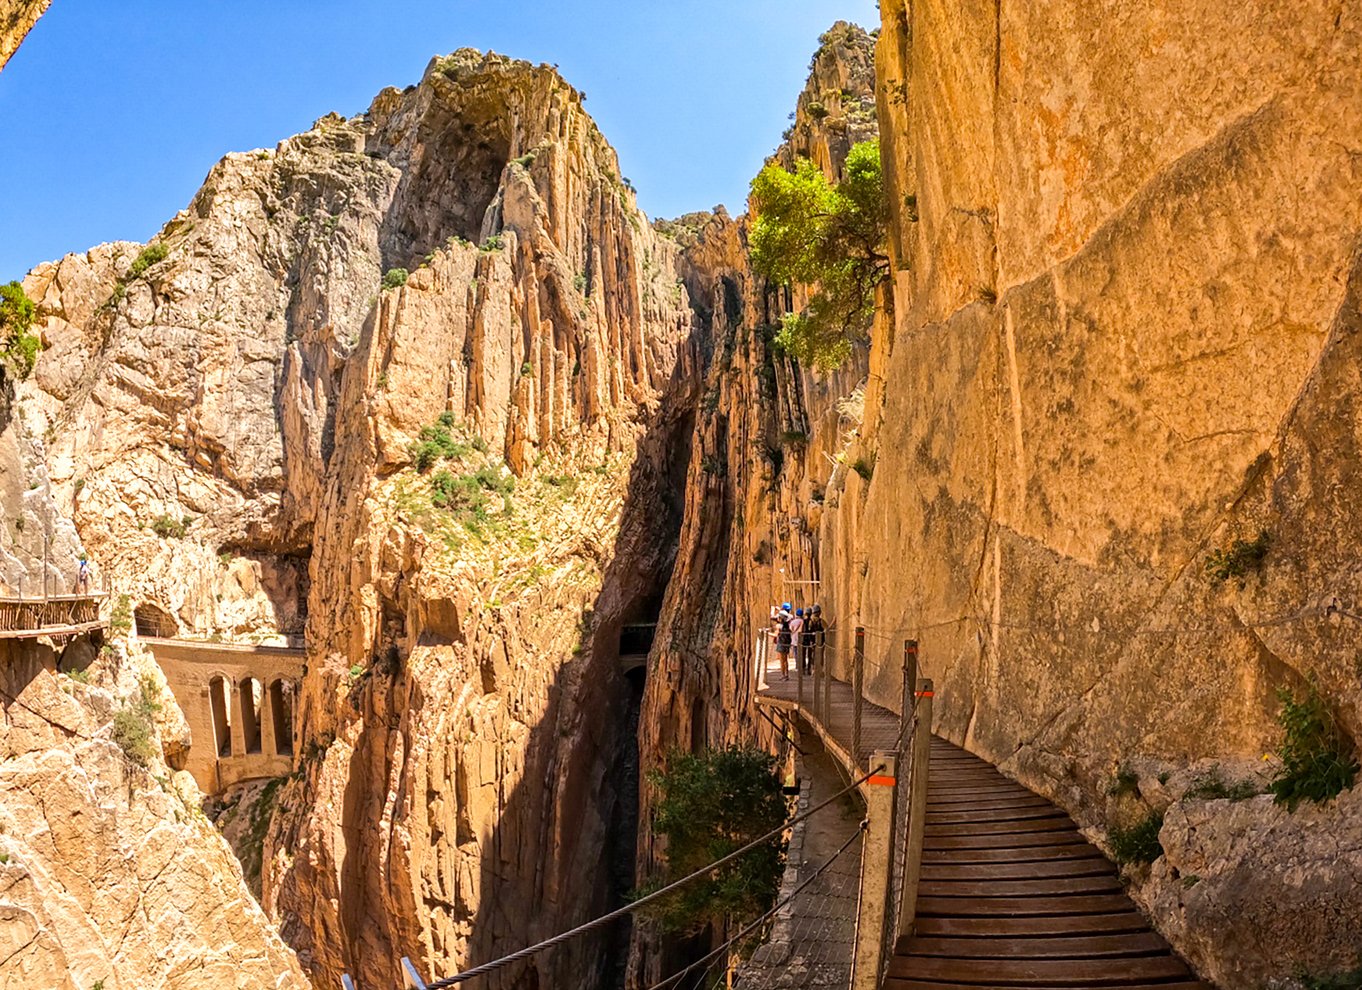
[(710, 804), (18, 347), (830, 238)]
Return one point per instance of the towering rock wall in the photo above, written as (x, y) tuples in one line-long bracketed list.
[(1121, 335), (1126, 334), (228, 415)]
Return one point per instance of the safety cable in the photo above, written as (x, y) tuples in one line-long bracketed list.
[(753, 926), (618, 913)]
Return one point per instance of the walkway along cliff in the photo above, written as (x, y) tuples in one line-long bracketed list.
[(1119, 337)]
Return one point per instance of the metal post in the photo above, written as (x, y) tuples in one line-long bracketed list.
[(875, 850), (857, 684), (909, 683), (411, 980), (798, 649), (346, 982), (917, 804), (827, 692)]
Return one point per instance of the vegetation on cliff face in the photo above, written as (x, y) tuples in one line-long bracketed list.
[(1318, 760), (831, 237), (711, 804), (18, 347)]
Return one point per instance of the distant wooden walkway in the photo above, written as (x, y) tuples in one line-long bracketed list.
[(55, 615), (1012, 895)]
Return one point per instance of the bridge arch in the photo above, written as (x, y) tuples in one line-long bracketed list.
[(220, 713), (281, 698), (252, 695)]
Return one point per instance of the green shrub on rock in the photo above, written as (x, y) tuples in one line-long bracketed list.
[(18, 347), (1319, 761), (1137, 843), (711, 804)]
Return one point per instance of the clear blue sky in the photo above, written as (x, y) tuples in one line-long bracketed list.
[(115, 110)]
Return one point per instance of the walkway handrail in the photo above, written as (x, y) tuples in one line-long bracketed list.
[(57, 615), (414, 980), (896, 801)]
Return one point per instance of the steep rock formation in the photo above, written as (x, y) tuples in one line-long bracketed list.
[(17, 18), (228, 415), (464, 709), (770, 438), (1123, 334), (109, 872)]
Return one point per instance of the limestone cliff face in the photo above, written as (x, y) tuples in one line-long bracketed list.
[(770, 440), (109, 871), (228, 415), (1122, 334), (464, 714), (17, 18)]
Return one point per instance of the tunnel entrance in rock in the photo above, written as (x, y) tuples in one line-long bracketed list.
[(154, 621)]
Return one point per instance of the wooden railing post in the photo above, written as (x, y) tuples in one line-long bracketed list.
[(857, 688), (876, 849), (917, 804), (827, 690)]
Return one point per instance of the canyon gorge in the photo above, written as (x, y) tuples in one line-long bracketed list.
[(421, 404)]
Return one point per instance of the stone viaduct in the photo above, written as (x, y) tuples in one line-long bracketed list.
[(239, 702)]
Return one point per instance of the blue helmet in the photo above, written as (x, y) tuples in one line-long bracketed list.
[(799, 611), (785, 606)]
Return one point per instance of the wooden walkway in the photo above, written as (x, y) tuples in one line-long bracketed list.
[(1012, 895)]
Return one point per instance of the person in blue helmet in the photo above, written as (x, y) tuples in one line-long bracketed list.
[(797, 636)]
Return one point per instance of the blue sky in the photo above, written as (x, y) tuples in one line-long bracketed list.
[(115, 110)]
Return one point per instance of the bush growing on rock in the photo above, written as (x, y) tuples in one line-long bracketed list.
[(394, 277), (152, 254), (810, 232), (710, 804), (18, 347), (166, 527), (134, 728), (1242, 557), (1319, 761), (1137, 843)]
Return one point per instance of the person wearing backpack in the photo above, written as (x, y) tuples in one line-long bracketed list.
[(812, 637), (783, 642)]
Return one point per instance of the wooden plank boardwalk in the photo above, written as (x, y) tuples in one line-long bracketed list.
[(1012, 895)]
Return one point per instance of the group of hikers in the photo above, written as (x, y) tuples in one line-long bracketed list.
[(799, 631)]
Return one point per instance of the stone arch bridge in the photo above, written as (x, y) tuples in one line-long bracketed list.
[(239, 702)]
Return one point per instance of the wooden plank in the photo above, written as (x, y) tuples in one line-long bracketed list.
[(951, 802), (1059, 823), (1113, 922), (1072, 947), (1074, 849), (1086, 867), (994, 815), (1017, 840), (1029, 887), (975, 907), (1047, 972)]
